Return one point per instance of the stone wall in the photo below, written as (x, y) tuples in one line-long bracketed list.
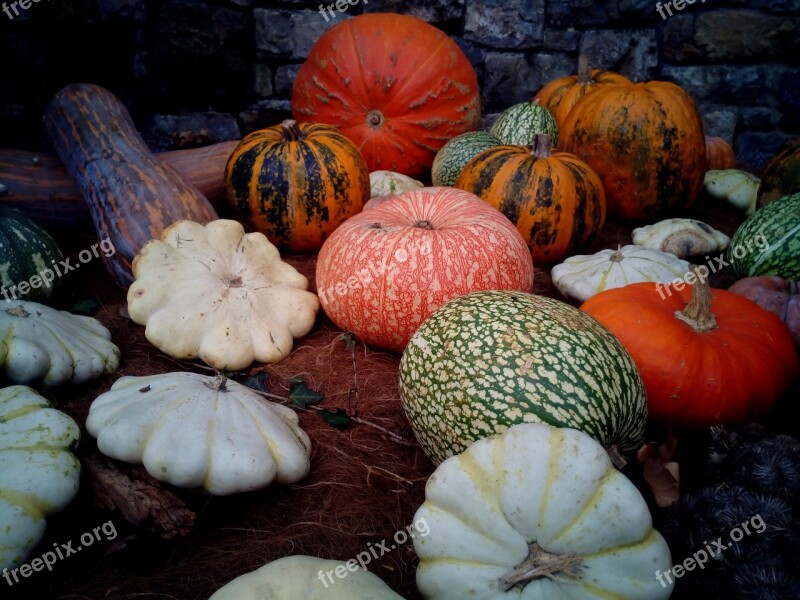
[(234, 61)]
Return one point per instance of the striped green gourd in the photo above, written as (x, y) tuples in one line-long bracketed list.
[(492, 359), (455, 154), (768, 242), (519, 124), (26, 251)]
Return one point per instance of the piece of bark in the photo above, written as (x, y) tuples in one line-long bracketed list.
[(660, 471), (138, 497)]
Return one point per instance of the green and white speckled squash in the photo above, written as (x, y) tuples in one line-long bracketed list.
[(519, 124), (451, 158), (26, 253), (39, 474), (537, 513), (489, 360)]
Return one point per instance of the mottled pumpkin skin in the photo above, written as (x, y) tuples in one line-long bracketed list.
[(395, 85), (781, 176), (297, 192), (557, 202), (719, 154), (645, 141)]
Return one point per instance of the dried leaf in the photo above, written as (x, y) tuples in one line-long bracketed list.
[(660, 471)]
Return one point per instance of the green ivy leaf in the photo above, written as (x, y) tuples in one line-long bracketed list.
[(301, 395), (335, 418), (87, 306), (258, 383)]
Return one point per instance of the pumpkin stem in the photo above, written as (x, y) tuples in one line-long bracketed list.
[(219, 383), (374, 119), (697, 313), (616, 456), (617, 255), (292, 131), (424, 225), (233, 280), (541, 146), (584, 72), (541, 563), (18, 311)]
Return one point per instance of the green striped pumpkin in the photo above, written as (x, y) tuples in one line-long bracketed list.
[(768, 242), (489, 360), (26, 251), (455, 154), (519, 124)]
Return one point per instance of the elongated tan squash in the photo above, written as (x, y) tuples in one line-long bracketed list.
[(132, 196)]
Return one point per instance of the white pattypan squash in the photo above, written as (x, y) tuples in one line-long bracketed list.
[(389, 183), (39, 474), (537, 513), (738, 187), (192, 430), (43, 346), (581, 277), (681, 237), (307, 578), (213, 292)]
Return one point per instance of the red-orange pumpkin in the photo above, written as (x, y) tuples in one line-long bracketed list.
[(397, 86), (719, 154), (555, 200), (384, 271), (707, 357), (646, 142), (561, 95), (296, 183)]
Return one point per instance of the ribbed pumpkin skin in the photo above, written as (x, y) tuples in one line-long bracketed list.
[(779, 224), (520, 123), (296, 192), (395, 85), (384, 271), (557, 202), (719, 154), (131, 195), (781, 176), (455, 154), (489, 360), (645, 141), (25, 251)]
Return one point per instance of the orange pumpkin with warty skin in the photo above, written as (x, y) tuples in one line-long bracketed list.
[(296, 183), (384, 271)]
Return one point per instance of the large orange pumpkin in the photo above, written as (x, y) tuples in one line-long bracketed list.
[(719, 154), (561, 95), (395, 85), (384, 271), (646, 142), (707, 357), (555, 200), (296, 183)]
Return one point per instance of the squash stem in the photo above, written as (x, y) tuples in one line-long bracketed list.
[(219, 383), (292, 131), (375, 119), (424, 225), (541, 563), (584, 72), (616, 456), (697, 313), (541, 146)]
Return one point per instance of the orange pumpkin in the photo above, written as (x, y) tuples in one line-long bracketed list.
[(384, 271), (397, 86), (555, 200), (781, 175), (296, 183), (707, 357), (561, 95), (719, 154), (645, 141)]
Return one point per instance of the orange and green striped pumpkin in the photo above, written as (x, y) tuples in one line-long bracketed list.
[(296, 183), (555, 200)]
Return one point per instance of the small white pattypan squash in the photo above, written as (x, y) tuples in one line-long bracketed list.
[(215, 293), (307, 578), (43, 346), (537, 512), (581, 277), (738, 187), (39, 474), (681, 237), (192, 430), (389, 183)]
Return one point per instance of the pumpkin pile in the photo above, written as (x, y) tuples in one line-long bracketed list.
[(428, 244)]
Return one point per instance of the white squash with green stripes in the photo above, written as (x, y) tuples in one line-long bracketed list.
[(537, 513), (39, 474)]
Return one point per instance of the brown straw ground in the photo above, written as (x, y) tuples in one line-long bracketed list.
[(365, 484)]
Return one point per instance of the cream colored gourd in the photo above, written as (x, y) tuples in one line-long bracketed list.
[(681, 237), (389, 183), (193, 430), (45, 347), (738, 187), (581, 277), (305, 578), (536, 513), (39, 474), (215, 293)]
